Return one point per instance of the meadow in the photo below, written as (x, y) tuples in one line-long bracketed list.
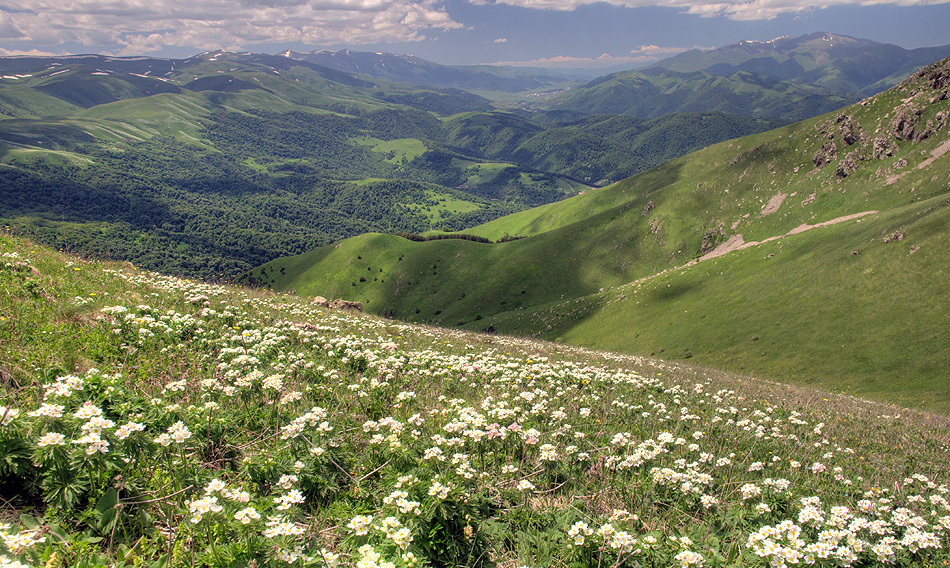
[(154, 421)]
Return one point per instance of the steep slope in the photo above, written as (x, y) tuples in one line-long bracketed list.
[(884, 159)]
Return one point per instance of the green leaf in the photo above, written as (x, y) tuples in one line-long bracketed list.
[(107, 508), (29, 522)]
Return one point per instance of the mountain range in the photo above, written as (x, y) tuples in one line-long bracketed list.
[(417, 71), (832, 61), (790, 77)]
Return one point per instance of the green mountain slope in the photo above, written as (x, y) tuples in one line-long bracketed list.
[(175, 165), (791, 78), (885, 158)]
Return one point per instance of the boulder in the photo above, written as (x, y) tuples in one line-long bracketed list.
[(346, 305), (850, 129), (845, 167), (825, 155), (883, 147), (904, 124), (321, 301)]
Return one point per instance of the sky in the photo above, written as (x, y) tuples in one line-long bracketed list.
[(541, 33)]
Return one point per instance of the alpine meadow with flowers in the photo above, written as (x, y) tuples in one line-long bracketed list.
[(153, 421)]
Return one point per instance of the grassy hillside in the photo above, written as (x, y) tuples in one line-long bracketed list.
[(884, 158), (152, 421)]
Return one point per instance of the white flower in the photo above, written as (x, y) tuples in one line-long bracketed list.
[(200, 507), (290, 498), (50, 410), (360, 524), (750, 490), (402, 538), (439, 491), (51, 439), (126, 430), (179, 432), (246, 515), (689, 558), (87, 410)]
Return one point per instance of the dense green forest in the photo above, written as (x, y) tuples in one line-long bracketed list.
[(194, 211)]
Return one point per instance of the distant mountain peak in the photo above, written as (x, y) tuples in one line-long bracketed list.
[(823, 59), (418, 71)]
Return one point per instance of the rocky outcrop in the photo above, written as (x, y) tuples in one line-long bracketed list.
[(940, 75), (904, 124), (846, 166), (883, 148), (850, 129), (346, 305), (711, 239), (337, 304), (826, 154)]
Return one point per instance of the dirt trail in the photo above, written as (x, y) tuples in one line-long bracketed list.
[(774, 203), (736, 242), (940, 150)]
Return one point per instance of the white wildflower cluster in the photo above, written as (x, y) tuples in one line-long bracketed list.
[(7, 415), (579, 532), (176, 433), (281, 526), (314, 418)]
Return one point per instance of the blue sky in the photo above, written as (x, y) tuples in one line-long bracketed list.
[(549, 33)]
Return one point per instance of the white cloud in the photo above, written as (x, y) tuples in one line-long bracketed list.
[(32, 52), (140, 27), (501, 40), (733, 9)]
